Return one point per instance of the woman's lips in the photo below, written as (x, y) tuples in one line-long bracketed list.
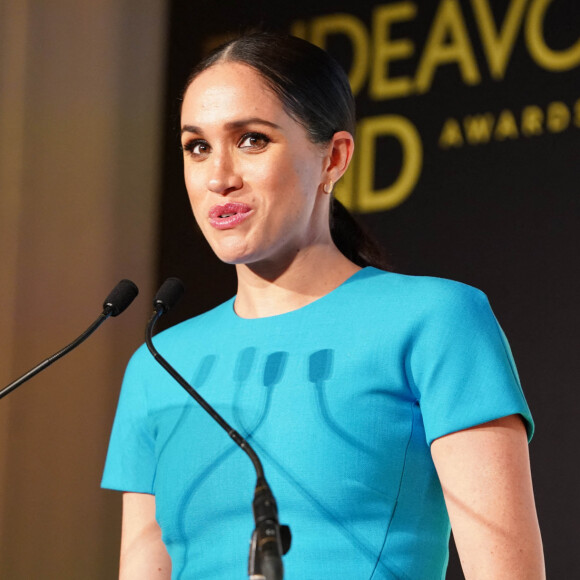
[(229, 215)]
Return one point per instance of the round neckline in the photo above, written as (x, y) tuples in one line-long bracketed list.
[(358, 274)]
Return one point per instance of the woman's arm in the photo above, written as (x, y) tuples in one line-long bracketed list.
[(143, 553), (487, 484)]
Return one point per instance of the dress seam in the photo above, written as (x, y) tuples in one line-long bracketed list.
[(398, 492)]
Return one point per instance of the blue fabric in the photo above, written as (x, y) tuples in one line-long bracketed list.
[(341, 399)]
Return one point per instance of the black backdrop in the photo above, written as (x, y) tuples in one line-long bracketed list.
[(468, 167)]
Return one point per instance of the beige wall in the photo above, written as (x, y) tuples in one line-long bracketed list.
[(80, 107)]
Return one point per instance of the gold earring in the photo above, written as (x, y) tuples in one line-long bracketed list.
[(328, 187)]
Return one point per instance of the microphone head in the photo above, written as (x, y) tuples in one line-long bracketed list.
[(169, 294), (120, 297)]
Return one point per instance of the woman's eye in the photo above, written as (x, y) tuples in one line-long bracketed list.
[(196, 147), (254, 141)]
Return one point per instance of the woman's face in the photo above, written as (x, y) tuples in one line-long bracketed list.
[(253, 177)]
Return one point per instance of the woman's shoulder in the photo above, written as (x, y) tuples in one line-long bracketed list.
[(408, 303), (409, 290)]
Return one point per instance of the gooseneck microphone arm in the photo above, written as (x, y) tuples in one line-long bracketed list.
[(169, 293), (269, 540), (116, 302)]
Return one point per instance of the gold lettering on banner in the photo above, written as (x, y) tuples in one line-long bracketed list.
[(558, 117), (451, 135), (478, 128), (448, 42), (397, 66), (532, 120), (300, 29), (370, 129), (323, 27), (506, 127), (498, 46), (386, 50), (544, 56)]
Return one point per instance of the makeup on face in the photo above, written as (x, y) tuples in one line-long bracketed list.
[(229, 215), (252, 173)]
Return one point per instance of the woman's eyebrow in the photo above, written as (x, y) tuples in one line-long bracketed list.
[(190, 129), (250, 121), (232, 125)]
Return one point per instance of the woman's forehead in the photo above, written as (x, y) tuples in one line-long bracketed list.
[(229, 90), (229, 79)]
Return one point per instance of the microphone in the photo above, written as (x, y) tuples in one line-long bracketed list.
[(269, 540), (168, 294), (120, 297), (116, 302)]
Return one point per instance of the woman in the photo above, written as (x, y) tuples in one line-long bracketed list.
[(381, 405)]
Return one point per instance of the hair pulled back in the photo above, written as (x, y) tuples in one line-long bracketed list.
[(314, 90)]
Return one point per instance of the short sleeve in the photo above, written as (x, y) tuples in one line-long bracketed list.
[(461, 366), (131, 463)]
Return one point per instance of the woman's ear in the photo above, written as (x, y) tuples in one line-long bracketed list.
[(340, 151)]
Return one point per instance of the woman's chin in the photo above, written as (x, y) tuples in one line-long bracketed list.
[(232, 255), (245, 254), (250, 259)]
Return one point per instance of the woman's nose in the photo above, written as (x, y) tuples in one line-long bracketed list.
[(223, 177)]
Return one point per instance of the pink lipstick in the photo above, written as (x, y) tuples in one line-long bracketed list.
[(229, 215)]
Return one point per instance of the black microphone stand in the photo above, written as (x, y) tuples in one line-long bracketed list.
[(115, 303), (269, 539)]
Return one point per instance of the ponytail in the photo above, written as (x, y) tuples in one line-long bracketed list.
[(351, 238)]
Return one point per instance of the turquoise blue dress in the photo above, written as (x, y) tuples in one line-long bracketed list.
[(341, 399)]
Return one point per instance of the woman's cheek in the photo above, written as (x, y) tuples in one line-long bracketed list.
[(194, 190)]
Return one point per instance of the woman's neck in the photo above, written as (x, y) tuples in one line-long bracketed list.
[(271, 289)]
